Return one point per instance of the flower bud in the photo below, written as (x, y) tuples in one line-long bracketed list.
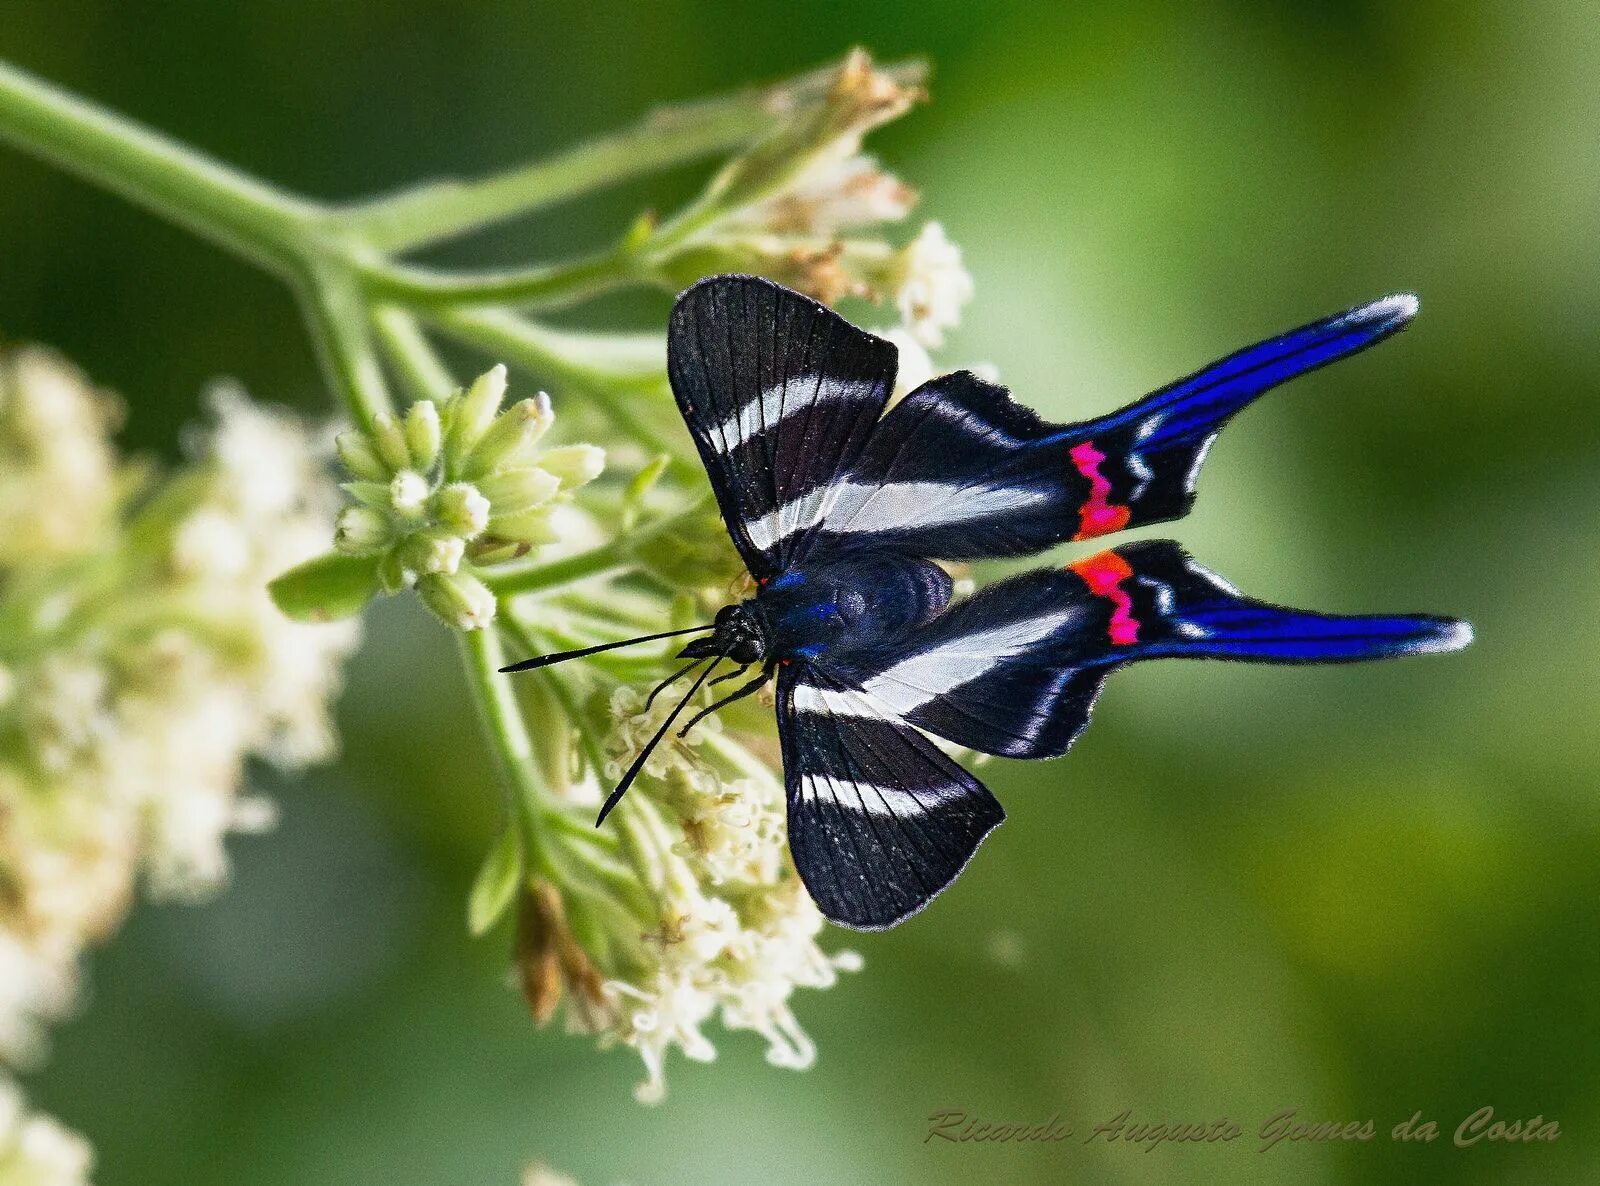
[(512, 432), (361, 531), (460, 508), (359, 456), (474, 411), (528, 527), (861, 98), (390, 437), (408, 493), (460, 600), (575, 465), (423, 434), (425, 553), (370, 494), (513, 490)]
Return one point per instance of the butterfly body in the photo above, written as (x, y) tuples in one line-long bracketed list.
[(840, 510), (856, 601)]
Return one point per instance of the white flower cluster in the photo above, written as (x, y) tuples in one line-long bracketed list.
[(932, 286), (54, 436), (735, 932), (454, 484), (141, 664), (842, 189), (789, 206), (34, 1149)]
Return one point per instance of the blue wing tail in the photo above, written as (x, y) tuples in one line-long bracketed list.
[(1014, 670), (1143, 461), (1193, 613)]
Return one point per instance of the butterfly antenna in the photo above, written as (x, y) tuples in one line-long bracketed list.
[(672, 679), (638, 763), (563, 656)]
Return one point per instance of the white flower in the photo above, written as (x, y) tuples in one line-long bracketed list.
[(270, 459), (933, 285), (137, 708), (837, 191), (36, 988), (543, 1175), (916, 364), (669, 1012), (58, 472), (35, 1150), (736, 933), (633, 725)]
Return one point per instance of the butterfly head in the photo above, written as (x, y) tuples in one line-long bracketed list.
[(737, 635)]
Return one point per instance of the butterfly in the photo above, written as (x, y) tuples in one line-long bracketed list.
[(840, 510)]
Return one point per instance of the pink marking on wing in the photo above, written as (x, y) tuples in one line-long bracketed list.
[(1098, 515), (1104, 573)]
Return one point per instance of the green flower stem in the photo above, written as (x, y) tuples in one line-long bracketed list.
[(337, 315), (415, 363), (665, 137), (544, 286), (333, 270), (505, 335), (231, 209), (527, 798), (510, 580), (547, 825), (588, 743)]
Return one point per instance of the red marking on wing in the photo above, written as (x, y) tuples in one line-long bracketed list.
[(1104, 574), (1098, 515)]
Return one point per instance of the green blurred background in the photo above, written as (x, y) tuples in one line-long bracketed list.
[(1361, 892)]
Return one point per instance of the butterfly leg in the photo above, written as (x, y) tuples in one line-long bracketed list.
[(739, 694), (672, 679), (722, 679)]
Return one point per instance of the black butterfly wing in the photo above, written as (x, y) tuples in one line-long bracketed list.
[(958, 471), (1015, 669), (880, 819), (780, 394)]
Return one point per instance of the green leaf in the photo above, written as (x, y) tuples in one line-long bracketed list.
[(496, 884), (328, 588)]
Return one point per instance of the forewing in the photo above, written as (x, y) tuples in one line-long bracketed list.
[(780, 394), (958, 471), (880, 820)]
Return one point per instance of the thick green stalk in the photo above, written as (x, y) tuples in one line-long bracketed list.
[(236, 211), (666, 137), (412, 356), (337, 317), (542, 286), (527, 799)]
